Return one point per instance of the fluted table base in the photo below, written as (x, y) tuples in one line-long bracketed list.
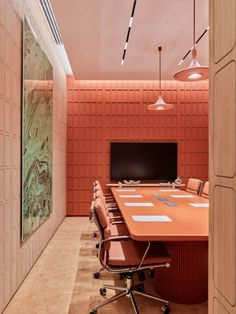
[(186, 281)]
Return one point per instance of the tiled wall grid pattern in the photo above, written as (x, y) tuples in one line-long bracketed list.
[(16, 258), (100, 112)]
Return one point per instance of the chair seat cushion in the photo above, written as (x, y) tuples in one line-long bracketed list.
[(130, 253)]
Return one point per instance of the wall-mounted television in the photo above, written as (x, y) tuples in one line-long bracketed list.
[(143, 161)]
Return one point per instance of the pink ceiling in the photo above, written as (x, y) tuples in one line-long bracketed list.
[(94, 33)]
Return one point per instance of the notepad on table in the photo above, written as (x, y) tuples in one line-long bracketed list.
[(155, 195), (183, 196), (199, 204), (125, 190), (131, 196), (139, 204), (172, 190), (160, 218)]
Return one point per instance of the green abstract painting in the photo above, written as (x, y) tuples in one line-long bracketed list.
[(36, 134)]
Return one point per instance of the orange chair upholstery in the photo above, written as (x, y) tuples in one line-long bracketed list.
[(194, 186), (97, 186), (111, 209), (120, 254), (205, 190), (116, 225), (108, 199)]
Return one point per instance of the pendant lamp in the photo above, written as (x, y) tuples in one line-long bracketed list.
[(195, 72), (160, 104)]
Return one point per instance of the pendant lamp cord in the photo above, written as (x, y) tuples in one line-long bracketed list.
[(194, 24), (159, 49)]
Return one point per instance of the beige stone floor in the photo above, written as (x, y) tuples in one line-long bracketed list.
[(61, 281)]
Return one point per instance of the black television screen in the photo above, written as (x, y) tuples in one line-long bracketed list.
[(143, 161)]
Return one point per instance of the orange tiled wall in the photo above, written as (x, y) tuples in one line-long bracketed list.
[(100, 112)]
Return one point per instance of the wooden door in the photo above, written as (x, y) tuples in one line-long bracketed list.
[(222, 126)]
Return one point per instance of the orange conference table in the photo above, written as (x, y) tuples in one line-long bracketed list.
[(186, 238)]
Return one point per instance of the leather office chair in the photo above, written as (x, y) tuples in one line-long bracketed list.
[(107, 198), (205, 190), (120, 254), (112, 209), (97, 186), (117, 224), (194, 186), (117, 228)]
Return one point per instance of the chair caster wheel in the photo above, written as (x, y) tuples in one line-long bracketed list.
[(93, 312), (165, 309), (97, 275), (152, 273), (141, 289), (122, 276), (97, 245), (103, 291), (141, 276), (94, 234)]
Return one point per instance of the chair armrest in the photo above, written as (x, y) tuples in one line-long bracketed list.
[(116, 238), (113, 209), (130, 268), (126, 237), (117, 222), (112, 204), (117, 217)]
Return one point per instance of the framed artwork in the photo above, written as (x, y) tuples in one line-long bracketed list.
[(37, 114)]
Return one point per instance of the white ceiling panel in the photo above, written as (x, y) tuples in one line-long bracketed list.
[(94, 33)]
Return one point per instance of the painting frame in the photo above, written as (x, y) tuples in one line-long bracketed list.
[(36, 133)]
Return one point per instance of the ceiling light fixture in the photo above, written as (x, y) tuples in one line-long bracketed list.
[(195, 72), (199, 38), (128, 33), (160, 104)]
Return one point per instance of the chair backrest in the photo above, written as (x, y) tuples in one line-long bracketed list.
[(91, 212), (99, 194), (205, 190), (97, 185), (96, 182), (194, 185), (102, 221)]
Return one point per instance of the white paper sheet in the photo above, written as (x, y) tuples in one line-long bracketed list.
[(131, 196), (183, 196), (139, 204), (172, 190), (161, 218), (199, 204), (128, 190)]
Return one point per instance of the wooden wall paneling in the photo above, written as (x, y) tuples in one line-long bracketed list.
[(224, 120), (224, 232), (222, 155), (104, 111), (219, 307), (223, 23)]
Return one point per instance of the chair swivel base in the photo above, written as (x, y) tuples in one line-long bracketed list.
[(128, 291)]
